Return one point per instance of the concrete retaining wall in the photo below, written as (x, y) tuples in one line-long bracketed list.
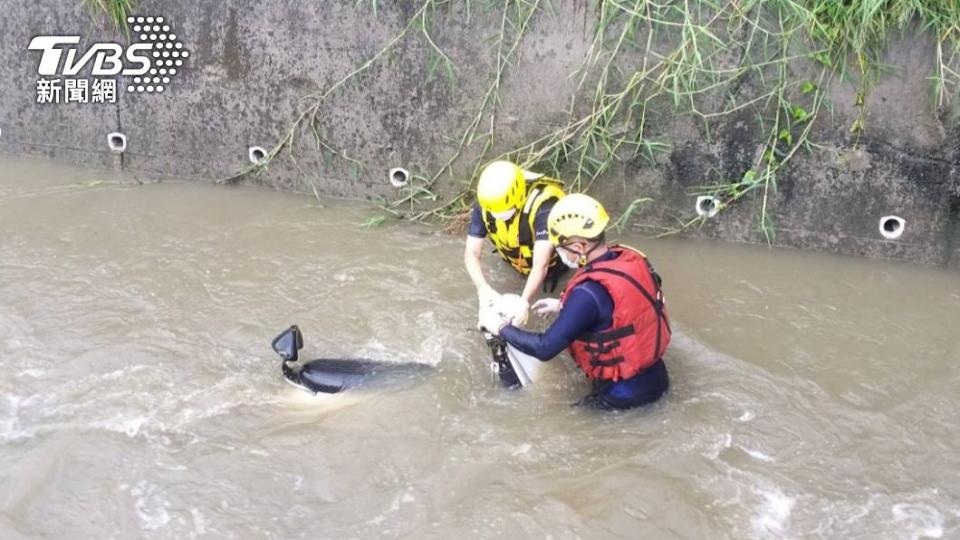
[(252, 61)]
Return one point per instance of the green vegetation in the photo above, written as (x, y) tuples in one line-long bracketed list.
[(768, 63), (372, 222), (114, 11)]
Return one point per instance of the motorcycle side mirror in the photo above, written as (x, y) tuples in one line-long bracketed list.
[(288, 343)]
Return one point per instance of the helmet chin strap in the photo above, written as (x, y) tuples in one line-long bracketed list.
[(582, 261)]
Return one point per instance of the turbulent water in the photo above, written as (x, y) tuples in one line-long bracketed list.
[(812, 396)]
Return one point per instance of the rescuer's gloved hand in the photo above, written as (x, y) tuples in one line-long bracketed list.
[(547, 306), (491, 321), (513, 308), (486, 300)]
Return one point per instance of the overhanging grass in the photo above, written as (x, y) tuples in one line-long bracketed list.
[(649, 61), (114, 11)]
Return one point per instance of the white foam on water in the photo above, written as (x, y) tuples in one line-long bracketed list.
[(120, 423), (399, 499), (121, 373), (35, 373), (216, 400), (918, 520), (374, 349), (301, 401), (151, 506), (8, 426), (432, 348), (757, 454), (717, 446), (772, 514), (522, 449), (746, 416), (199, 522)]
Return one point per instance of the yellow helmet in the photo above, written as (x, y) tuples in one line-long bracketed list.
[(502, 186), (576, 215)]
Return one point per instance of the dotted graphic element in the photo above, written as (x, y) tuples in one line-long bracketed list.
[(166, 52)]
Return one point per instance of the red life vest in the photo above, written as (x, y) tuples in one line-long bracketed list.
[(640, 331)]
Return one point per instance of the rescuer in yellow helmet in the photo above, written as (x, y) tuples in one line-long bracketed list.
[(611, 316), (512, 209)]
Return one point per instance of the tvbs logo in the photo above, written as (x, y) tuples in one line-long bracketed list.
[(149, 63), (108, 58)]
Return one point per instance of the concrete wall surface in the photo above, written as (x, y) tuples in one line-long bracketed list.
[(251, 63)]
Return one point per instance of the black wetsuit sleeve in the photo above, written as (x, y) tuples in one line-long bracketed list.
[(580, 314), (477, 228)]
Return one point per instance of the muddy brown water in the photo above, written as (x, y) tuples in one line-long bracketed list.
[(812, 396)]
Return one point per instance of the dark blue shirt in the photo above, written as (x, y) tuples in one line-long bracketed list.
[(478, 229), (588, 308)]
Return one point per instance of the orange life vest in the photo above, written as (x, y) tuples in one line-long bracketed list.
[(640, 331)]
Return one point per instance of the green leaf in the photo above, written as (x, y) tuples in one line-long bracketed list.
[(432, 70), (800, 114), (785, 135), (807, 87), (375, 221), (824, 59), (451, 78)]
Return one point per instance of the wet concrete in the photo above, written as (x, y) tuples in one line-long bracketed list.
[(253, 61)]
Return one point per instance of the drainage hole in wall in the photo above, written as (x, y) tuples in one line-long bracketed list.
[(892, 227), (117, 142), (707, 206), (399, 177), (256, 155)]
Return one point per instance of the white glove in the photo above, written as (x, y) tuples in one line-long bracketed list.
[(547, 306), (486, 299), (513, 308), (491, 321)]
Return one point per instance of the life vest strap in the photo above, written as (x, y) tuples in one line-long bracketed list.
[(601, 348), (606, 363), (509, 252), (608, 335), (526, 227), (656, 303), (490, 222)]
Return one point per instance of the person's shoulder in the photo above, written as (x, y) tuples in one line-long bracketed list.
[(543, 212), (477, 227), (591, 285), (593, 288), (590, 288), (547, 205), (588, 296)]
